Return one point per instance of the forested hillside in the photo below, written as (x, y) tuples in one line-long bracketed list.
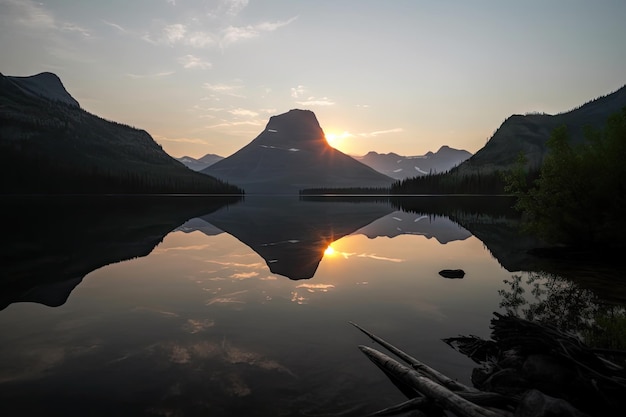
[(50, 146)]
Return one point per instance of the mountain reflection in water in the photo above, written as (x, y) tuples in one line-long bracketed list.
[(203, 309)]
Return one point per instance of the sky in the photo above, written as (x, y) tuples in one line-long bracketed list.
[(403, 76)]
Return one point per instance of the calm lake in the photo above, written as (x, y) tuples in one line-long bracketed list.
[(184, 306)]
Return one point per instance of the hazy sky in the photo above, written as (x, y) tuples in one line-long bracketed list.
[(204, 76)]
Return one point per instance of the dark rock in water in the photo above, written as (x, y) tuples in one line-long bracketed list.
[(452, 273)]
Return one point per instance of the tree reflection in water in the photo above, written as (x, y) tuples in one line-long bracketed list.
[(550, 298)]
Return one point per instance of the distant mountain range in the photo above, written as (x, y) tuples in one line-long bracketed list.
[(401, 167), (391, 164), (201, 163), (48, 144), (292, 154), (529, 133)]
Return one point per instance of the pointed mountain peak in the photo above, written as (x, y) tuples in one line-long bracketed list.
[(292, 154)]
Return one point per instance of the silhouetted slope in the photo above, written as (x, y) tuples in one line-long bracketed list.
[(292, 154), (50, 145), (529, 134), (45, 85)]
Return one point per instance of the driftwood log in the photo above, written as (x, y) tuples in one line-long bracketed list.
[(528, 370)]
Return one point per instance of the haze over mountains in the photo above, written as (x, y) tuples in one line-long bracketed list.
[(401, 167), (292, 154), (200, 163)]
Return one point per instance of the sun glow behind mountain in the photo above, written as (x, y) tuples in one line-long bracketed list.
[(336, 140), (330, 251)]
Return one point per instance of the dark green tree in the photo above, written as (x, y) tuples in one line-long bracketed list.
[(579, 197)]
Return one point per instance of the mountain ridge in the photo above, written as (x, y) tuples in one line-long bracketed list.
[(48, 144), (198, 164), (529, 133), (401, 167), (46, 85)]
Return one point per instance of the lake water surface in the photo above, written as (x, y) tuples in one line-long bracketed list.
[(132, 309)]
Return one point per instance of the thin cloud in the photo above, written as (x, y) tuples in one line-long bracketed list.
[(254, 265), (193, 62), (114, 25), (178, 33), (297, 92), (348, 255), (222, 88), (154, 75), (33, 15), (379, 258), (312, 101), (27, 13), (244, 275), (234, 7), (233, 90), (317, 287), (239, 123), (70, 27), (380, 132), (243, 112), (196, 141), (174, 33), (234, 34), (181, 248), (199, 39)]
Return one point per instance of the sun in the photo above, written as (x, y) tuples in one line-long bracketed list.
[(332, 139), (329, 251), (336, 139)]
